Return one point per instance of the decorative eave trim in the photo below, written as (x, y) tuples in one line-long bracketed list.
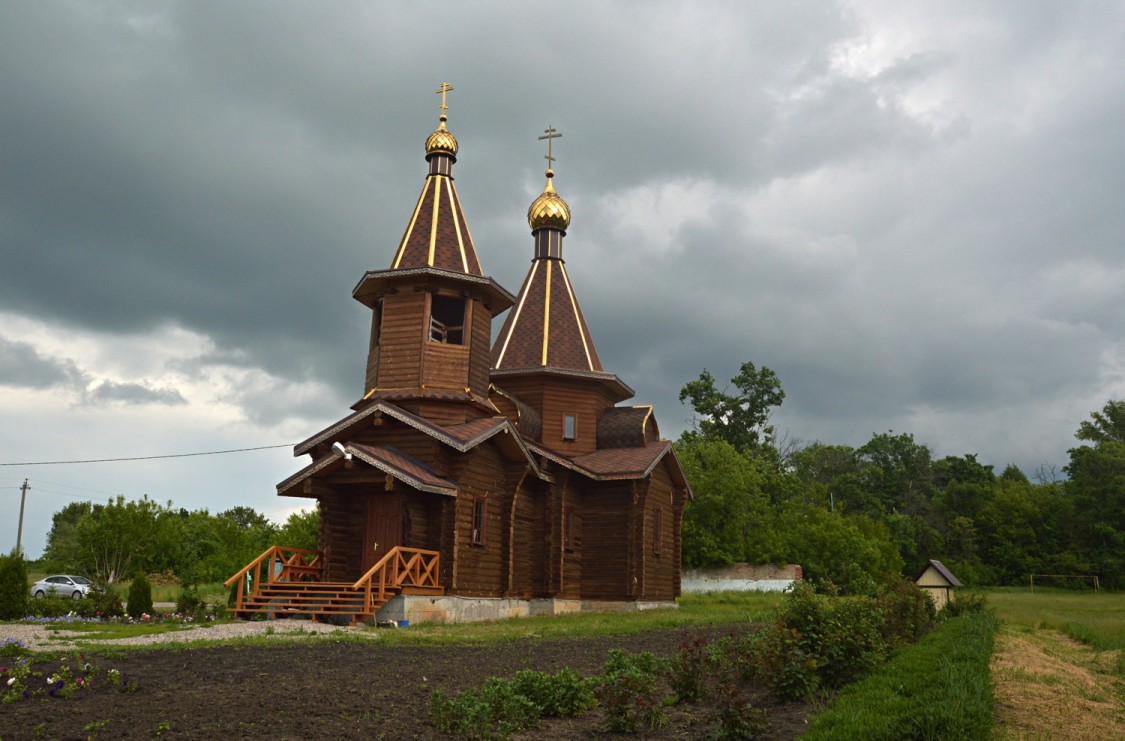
[(503, 424), (435, 272), (607, 378), (571, 464), (363, 453)]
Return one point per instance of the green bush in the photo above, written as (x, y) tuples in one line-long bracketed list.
[(908, 612), (964, 603), (938, 688), (140, 596), (738, 718), (690, 668), (14, 586), (190, 603), (628, 692), (562, 695), (495, 712)]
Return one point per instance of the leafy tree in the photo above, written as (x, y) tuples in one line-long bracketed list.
[(742, 420), (898, 476), (729, 519), (63, 552), (301, 530), (14, 586), (1097, 484), (114, 538)]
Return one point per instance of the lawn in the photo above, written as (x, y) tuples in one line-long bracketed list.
[(1096, 618)]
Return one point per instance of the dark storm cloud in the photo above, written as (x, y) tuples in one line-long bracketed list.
[(22, 366), (108, 392), (901, 236)]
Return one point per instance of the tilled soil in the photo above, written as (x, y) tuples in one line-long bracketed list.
[(332, 689)]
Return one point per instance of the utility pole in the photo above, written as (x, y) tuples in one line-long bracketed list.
[(19, 532)]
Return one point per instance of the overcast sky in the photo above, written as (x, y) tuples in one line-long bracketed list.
[(912, 212)]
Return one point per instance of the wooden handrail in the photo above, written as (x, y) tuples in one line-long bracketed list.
[(292, 564), (400, 567)]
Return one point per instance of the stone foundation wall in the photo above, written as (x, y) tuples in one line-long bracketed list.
[(423, 609)]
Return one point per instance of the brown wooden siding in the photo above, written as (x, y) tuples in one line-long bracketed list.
[(480, 568), (401, 338), (342, 521), (661, 570), (605, 545)]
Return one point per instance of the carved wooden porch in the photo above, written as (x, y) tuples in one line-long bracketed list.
[(288, 583)]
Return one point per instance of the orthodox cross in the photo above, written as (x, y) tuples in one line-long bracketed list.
[(445, 88), (550, 133)]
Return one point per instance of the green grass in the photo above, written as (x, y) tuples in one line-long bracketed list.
[(937, 688), (1095, 618), (711, 608), (108, 631)]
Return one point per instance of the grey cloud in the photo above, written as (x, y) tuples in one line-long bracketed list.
[(109, 392), (23, 366)]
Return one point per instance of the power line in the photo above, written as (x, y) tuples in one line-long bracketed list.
[(146, 457)]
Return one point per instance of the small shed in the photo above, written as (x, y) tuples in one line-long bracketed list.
[(938, 582)]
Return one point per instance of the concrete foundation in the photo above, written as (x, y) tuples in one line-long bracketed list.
[(423, 609)]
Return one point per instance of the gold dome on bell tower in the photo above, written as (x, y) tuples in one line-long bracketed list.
[(442, 141), (549, 210)]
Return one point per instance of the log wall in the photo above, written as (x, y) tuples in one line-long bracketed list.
[(605, 545)]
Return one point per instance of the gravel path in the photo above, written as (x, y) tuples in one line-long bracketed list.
[(39, 637)]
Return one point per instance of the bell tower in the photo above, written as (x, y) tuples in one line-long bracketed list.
[(432, 310), (544, 354)]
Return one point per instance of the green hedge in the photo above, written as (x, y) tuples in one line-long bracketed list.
[(939, 688)]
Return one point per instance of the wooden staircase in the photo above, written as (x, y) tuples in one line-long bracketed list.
[(286, 583)]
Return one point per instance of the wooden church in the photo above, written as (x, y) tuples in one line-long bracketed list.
[(477, 481)]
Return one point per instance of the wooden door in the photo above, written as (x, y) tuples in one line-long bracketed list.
[(384, 527)]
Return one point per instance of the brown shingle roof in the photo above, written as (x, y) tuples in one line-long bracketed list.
[(388, 459), (437, 235), (461, 437), (623, 427), (546, 328)]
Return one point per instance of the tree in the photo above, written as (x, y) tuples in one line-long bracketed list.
[(140, 596), (63, 552), (114, 538), (13, 586), (1097, 484), (301, 530), (742, 420), (729, 519)]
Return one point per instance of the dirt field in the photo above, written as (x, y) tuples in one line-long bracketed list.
[(1053, 687), (329, 690)]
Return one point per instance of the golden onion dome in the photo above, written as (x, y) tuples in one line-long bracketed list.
[(442, 141), (549, 210)]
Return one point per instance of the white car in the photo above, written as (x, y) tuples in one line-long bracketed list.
[(63, 585)]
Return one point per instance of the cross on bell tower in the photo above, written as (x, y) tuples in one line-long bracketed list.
[(550, 134)]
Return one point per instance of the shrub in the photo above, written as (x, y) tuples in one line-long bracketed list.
[(564, 694), (908, 612), (190, 603), (690, 668), (140, 596), (818, 640), (738, 718), (964, 603), (495, 712), (628, 692), (14, 587)]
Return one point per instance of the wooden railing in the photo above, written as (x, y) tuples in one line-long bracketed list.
[(280, 564), (401, 567)]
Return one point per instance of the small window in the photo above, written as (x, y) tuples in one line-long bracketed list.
[(657, 530), (480, 512), (376, 324), (570, 427), (447, 320), (568, 529)]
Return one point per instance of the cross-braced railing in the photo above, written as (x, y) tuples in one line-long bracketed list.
[(279, 564), (400, 567)]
